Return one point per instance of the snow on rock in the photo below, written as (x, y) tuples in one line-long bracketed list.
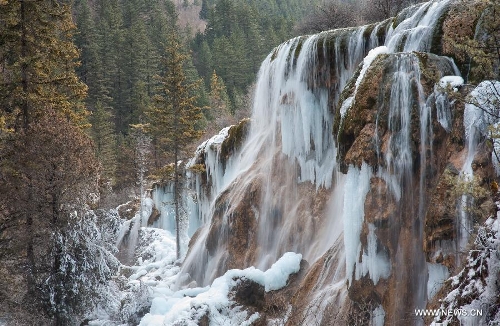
[(156, 263), (442, 100), (187, 306), (217, 139), (367, 61), (482, 108), (453, 81), (345, 106)]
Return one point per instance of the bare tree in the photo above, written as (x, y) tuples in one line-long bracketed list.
[(330, 15)]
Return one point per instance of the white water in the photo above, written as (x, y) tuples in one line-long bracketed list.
[(415, 32), (129, 232), (290, 146), (356, 188), (480, 113)]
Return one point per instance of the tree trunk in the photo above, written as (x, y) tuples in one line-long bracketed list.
[(176, 203)]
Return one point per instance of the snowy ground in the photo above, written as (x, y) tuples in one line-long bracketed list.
[(148, 293)]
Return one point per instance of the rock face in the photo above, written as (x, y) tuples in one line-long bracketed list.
[(354, 167), (426, 200)]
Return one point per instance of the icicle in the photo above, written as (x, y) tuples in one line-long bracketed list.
[(356, 187)]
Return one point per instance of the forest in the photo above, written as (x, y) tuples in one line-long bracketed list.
[(104, 101)]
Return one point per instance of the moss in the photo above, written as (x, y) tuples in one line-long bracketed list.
[(234, 140), (437, 37), (198, 168), (382, 30), (298, 48), (363, 110), (343, 45), (368, 31), (274, 54)]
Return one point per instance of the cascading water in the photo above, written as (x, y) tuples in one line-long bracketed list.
[(297, 131), (286, 183), (480, 113), (129, 232)]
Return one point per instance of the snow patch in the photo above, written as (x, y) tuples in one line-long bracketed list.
[(367, 61), (453, 81), (187, 306)]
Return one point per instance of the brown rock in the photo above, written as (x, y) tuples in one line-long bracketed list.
[(127, 211), (364, 148), (249, 293), (380, 204), (155, 215), (363, 290)]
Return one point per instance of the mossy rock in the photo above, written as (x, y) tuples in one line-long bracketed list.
[(371, 102), (459, 24), (236, 136)]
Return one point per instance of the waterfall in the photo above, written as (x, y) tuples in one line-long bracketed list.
[(128, 235), (479, 113), (306, 203)]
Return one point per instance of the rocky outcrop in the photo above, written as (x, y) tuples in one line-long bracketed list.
[(385, 122), (235, 228), (459, 25), (363, 131)]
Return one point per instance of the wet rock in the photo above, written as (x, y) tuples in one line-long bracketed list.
[(155, 216), (380, 203), (235, 227), (127, 211), (363, 290), (363, 148), (370, 107), (459, 24), (249, 293), (441, 215)]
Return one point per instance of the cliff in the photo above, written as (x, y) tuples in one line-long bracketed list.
[(353, 158)]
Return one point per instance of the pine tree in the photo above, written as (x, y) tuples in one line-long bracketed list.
[(111, 44), (134, 61), (204, 10), (103, 134), (47, 166), (38, 60), (90, 71), (219, 102), (174, 115)]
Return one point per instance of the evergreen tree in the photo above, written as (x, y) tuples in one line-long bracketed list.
[(134, 59), (174, 115), (204, 9), (111, 44), (90, 71), (47, 164), (103, 134), (219, 102), (125, 167), (38, 60)]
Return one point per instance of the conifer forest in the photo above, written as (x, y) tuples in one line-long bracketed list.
[(249, 162)]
